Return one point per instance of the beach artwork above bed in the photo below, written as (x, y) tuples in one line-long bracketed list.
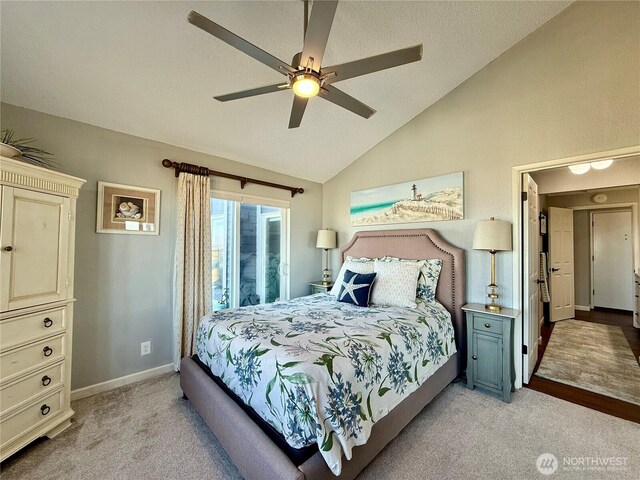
[(427, 200)]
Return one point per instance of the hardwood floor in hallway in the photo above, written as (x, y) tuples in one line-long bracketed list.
[(596, 401)]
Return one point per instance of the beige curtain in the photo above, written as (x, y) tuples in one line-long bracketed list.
[(192, 262)]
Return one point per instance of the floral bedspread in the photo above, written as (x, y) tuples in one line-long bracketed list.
[(321, 371)]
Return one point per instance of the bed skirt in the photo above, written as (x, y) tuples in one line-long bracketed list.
[(258, 458)]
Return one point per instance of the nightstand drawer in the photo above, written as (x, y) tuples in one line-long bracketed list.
[(486, 324)]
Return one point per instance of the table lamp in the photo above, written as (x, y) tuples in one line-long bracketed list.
[(493, 236), (326, 240)]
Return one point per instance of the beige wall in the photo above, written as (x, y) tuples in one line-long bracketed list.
[(569, 88), (124, 282)]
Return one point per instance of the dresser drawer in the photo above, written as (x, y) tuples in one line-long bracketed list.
[(30, 356), (487, 324), (49, 378), (31, 417), (27, 328)]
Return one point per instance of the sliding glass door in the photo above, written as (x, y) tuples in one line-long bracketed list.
[(249, 245)]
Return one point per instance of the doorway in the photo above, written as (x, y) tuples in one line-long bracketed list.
[(570, 275)]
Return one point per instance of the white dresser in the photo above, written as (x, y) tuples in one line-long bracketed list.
[(37, 237)]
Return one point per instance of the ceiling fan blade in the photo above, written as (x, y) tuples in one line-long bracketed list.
[(373, 64), (240, 43), (343, 100), (297, 111), (315, 40), (252, 92)]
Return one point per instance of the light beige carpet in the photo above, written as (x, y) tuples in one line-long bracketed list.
[(146, 431), (594, 357)]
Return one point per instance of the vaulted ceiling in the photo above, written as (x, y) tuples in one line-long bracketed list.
[(140, 68)]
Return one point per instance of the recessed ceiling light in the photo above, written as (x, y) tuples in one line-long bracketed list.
[(580, 168), (601, 164)]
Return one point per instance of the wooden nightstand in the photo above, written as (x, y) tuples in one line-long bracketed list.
[(490, 349), (319, 287)]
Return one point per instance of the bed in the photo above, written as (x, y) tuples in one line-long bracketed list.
[(252, 440)]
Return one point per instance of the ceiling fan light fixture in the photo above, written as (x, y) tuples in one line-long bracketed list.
[(580, 168), (305, 85)]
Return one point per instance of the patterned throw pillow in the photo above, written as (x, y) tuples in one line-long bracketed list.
[(356, 288), (356, 265), (396, 283), (427, 280)]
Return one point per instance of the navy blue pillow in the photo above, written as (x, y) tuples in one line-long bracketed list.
[(356, 288)]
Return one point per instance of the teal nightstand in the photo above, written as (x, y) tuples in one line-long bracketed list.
[(490, 349)]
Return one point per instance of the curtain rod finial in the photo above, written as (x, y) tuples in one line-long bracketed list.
[(166, 163)]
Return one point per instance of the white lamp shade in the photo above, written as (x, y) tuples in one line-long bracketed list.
[(492, 235), (326, 239)]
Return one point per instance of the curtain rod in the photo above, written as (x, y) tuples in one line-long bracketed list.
[(204, 171)]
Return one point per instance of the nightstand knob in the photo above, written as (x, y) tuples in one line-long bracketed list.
[(487, 325), (474, 357)]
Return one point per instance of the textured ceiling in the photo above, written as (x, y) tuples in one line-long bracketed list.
[(140, 68)]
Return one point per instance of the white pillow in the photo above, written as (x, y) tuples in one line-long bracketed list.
[(356, 265), (427, 279), (396, 283)]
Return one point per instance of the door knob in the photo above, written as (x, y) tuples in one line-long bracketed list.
[(8, 248), (474, 357)]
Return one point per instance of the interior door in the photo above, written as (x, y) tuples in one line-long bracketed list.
[(531, 267), (34, 236), (561, 262), (612, 260)]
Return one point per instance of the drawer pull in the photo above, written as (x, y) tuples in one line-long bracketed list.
[(8, 248), (474, 357), (487, 325), (44, 409), (47, 351), (47, 322), (46, 380)]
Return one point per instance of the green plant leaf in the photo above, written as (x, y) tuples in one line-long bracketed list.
[(327, 442), (290, 364), (300, 378), (382, 391)]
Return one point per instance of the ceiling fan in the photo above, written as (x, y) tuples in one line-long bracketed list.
[(305, 75)]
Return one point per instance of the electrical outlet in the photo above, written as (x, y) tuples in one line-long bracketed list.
[(145, 348)]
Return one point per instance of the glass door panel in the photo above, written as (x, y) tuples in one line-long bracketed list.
[(247, 253)]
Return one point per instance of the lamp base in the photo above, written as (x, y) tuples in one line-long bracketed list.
[(493, 293), (326, 277)]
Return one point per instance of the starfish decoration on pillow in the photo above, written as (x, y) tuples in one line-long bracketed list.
[(349, 287)]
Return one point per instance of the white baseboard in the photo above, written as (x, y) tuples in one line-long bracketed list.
[(120, 381), (583, 308)]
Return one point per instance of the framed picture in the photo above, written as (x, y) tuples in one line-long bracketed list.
[(127, 209), (427, 200)]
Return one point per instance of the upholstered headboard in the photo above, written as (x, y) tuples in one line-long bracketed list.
[(420, 244)]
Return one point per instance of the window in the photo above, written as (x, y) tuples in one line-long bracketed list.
[(249, 250)]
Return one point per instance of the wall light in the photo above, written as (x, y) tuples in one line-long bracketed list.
[(601, 164), (582, 168)]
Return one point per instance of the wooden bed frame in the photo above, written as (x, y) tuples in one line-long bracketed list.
[(255, 454)]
